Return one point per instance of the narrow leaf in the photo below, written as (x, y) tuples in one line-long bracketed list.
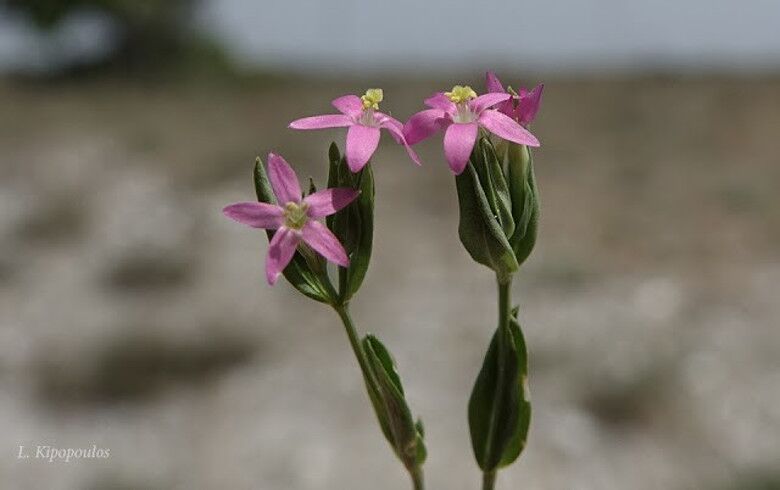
[(353, 225), (362, 210), (404, 435), (520, 436)]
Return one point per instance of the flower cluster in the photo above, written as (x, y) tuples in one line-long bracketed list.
[(460, 113)]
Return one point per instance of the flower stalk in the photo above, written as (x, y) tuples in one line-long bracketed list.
[(354, 341)]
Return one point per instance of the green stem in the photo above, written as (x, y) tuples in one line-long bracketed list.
[(504, 312), (417, 478), (357, 348), (488, 480), (373, 385)]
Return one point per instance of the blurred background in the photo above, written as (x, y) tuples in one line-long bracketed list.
[(133, 316)]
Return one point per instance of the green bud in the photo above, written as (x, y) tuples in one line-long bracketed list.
[(525, 199)]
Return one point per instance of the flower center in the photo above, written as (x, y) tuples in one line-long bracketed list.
[(464, 113), (461, 94), (372, 98), (371, 101), (295, 216)]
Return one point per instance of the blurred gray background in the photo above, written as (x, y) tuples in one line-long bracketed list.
[(133, 316)]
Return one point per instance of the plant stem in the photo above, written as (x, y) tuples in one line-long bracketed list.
[(504, 312), (357, 348), (417, 478), (488, 480), (370, 379)]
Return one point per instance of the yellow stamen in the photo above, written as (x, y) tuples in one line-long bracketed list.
[(460, 94), (372, 98)]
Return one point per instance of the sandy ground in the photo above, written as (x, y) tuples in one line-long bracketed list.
[(134, 317)]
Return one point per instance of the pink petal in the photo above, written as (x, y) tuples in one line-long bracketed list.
[(256, 214), (280, 252), (321, 122), (441, 101), (493, 84), (487, 100), (505, 127), (283, 180), (529, 105), (392, 124), (361, 144), (351, 105), (507, 108), (328, 201), (395, 128), (319, 237), (458, 142), (423, 124), (413, 155)]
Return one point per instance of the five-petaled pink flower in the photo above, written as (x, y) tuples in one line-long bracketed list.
[(361, 115), (461, 113), (294, 218), (523, 105)]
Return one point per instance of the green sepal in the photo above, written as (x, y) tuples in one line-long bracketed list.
[(479, 230), (489, 168), (353, 225), (299, 272), (525, 199), (402, 432), (499, 427)]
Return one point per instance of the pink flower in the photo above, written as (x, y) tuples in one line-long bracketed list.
[(461, 113), (361, 115), (523, 105), (293, 218)]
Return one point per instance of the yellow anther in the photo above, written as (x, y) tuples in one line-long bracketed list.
[(372, 98), (460, 94)]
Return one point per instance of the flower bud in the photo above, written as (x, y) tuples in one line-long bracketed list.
[(525, 199)]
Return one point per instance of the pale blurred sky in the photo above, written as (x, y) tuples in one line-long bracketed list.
[(374, 36), (563, 35)]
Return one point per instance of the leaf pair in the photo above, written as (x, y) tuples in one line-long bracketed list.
[(387, 397), (500, 407), (353, 226)]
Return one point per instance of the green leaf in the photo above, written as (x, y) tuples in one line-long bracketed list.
[(334, 179), (395, 418), (525, 200), (499, 424), (520, 435), (299, 272), (353, 225), (478, 229)]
